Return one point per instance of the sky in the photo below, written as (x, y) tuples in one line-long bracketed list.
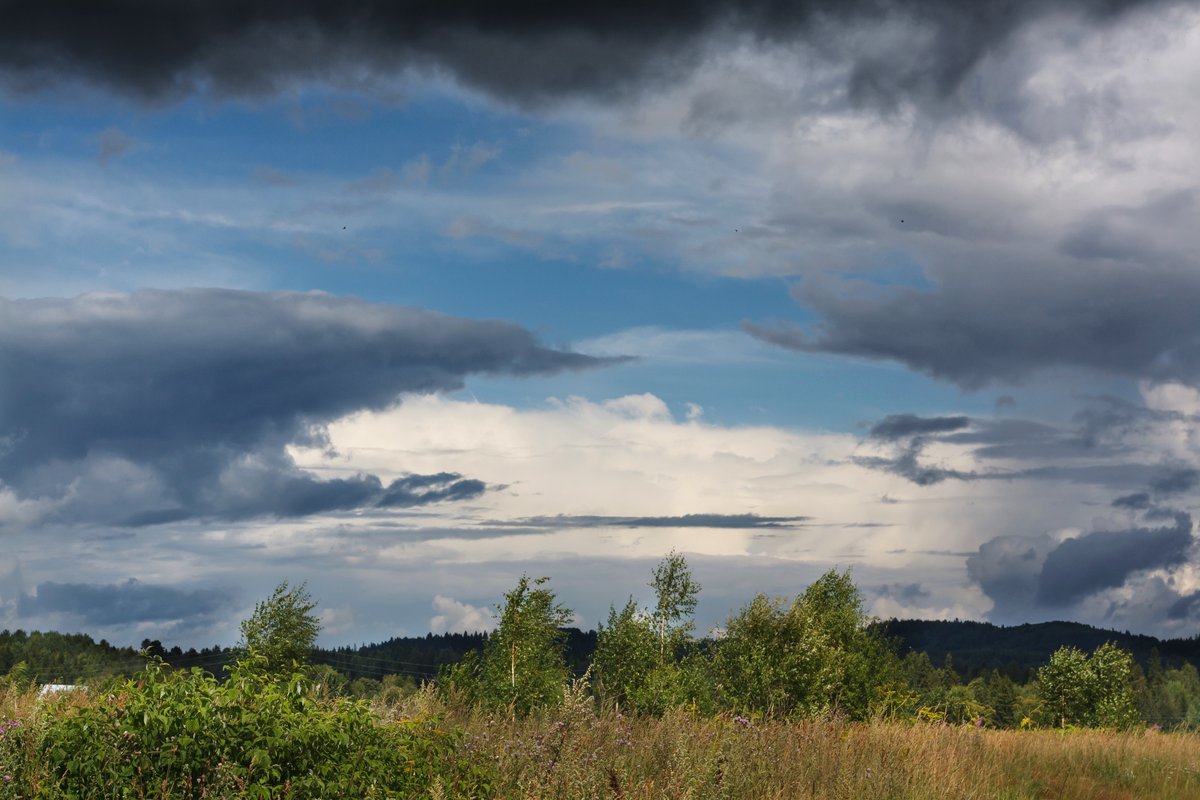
[(404, 301)]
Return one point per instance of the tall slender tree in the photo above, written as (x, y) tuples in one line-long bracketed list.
[(523, 664), (676, 593)]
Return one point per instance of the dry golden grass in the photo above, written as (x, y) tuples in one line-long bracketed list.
[(576, 755)]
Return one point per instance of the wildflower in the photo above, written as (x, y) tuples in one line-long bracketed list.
[(743, 721)]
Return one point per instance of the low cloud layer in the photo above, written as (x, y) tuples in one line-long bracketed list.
[(730, 521), (165, 405), (126, 603), (1099, 445), (898, 426)]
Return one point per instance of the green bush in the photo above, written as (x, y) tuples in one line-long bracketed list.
[(185, 735), (17, 751), (813, 656), (522, 667), (1091, 692)]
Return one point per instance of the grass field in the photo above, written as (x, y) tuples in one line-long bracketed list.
[(573, 752), (564, 755)]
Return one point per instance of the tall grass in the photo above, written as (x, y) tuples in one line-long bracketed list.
[(681, 756), (573, 752)]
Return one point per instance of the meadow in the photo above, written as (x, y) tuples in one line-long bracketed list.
[(287, 740), (796, 700)]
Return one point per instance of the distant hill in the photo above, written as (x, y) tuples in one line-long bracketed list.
[(976, 647), (64, 657), (422, 656), (49, 657)]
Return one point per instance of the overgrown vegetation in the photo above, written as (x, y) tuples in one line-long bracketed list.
[(799, 697)]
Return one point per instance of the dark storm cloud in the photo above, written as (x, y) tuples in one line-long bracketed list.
[(906, 463), (1026, 573), (524, 51), (1018, 439), (1104, 560), (979, 326), (163, 405), (1137, 501), (1163, 486), (1089, 450), (1185, 606), (125, 603), (910, 434), (904, 592), (1007, 569), (1120, 233), (732, 521), (898, 426), (1107, 419), (419, 490), (1175, 482)]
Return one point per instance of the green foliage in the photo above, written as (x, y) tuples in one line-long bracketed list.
[(522, 666), (941, 696), (626, 653), (808, 657), (183, 734), (1168, 697), (282, 629), (51, 657), (675, 593), (18, 678), (325, 680), (646, 661), (1092, 692), (1000, 695)]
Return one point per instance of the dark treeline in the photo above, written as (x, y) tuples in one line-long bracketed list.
[(977, 648), (50, 657), (974, 649)]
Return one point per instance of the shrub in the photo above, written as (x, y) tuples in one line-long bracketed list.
[(522, 666), (282, 628), (185, 735), (1092, 692), (812, 656)]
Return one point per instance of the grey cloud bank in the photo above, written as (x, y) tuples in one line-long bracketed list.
[(126, 603), (163, 405), (1103, 560), (525, 51), (898, 426), (1034, 575), (731, 521), (980, 326)]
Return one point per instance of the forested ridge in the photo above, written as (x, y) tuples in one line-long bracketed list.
[(974, 648)]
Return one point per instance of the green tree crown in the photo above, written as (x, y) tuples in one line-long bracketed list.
[(282, 630)]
